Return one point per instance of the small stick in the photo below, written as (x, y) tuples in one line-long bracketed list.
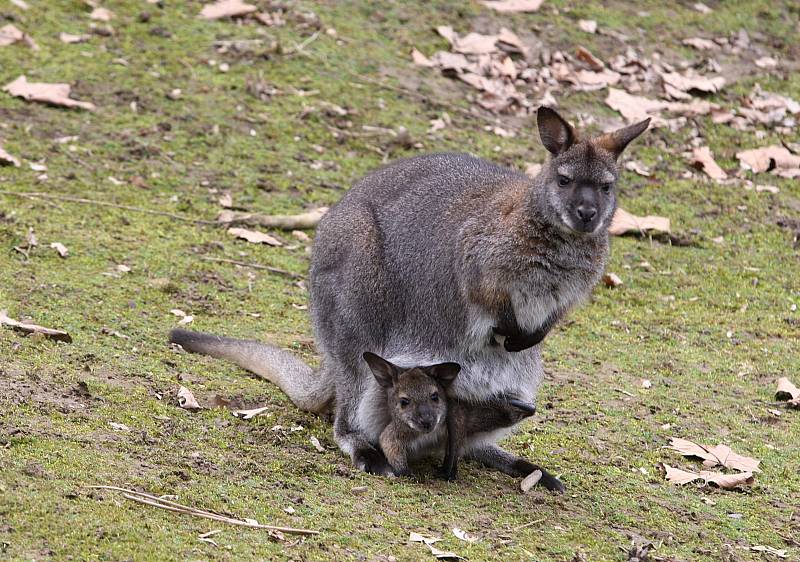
[(275, 270), (528, 524), (41, 195), (168, 505)]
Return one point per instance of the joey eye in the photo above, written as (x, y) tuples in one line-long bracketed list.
[(606, 187), (435, 396), (404, 402), (563, 181)]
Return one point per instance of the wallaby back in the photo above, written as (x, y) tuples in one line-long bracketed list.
[(308, 390)]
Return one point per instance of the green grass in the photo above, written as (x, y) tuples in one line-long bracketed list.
[(597, 427)]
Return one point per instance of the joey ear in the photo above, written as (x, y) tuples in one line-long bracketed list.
[(557, 135), (385, 372), (444, 373), (616, 141)]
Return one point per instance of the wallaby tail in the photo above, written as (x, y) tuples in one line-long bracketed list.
[(307, 389)]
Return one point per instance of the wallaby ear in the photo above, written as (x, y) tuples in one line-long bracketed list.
[(616, 141), (557, 135), (444, 373), (385, 373)]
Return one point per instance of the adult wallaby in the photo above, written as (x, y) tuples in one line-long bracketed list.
[(436, 258)]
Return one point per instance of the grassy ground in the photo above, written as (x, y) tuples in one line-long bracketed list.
[(597, 427)]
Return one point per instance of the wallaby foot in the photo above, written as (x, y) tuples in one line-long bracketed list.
[(495, 457), (444, 473), (365, 456), (371, 460)]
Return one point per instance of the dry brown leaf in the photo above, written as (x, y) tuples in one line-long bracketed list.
[(584, 54), (510, 42), (10, 34), (7, 160), (766, 62), (590, 81), (53, 94), (21, 4), (286, 222), (686, 83), (612, 280), (60, 248), (475, 44), (588, 26), (530, 481), (464, 536), (101, 14), (70, 38), (226, 9), (702, 8), (624, 222), (700, 43), (255, 237), (633, 108), (450, 61), (637, 167), (429, 542), (512, 6), (769, 550), (724, 481), (186, 399), (703, 160), (713, 456), (420, 59), (249, 414), (768, 158), (26, 328), (788, 391), (225, 200), (316, 444)]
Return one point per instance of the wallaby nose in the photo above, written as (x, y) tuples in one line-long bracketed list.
[(426, 425), (586, 213)]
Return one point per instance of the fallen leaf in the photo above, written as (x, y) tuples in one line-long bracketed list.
[(612, 280), (639, 168), (418, 537), (647, 384), (122, 268), (57, 335), (226, 200), (713, 456), (119, 426), (511, 6), (702, 8), (589, 26), (464, 536), (444, 554), (21, 4), (530, 481), (10, 34), (317, 445), (249, 414), (420, 59), (700, 44), (475, 44), (70, 38), (186, 320), (186, 399), (584, 54), (429, 542), (510, 42), (702, 159), (7, 160), (101, 14), (53, 94), (769, 158), (301, 236), (724, 481), (624, 222), (226, 9), (60, 248), (689, 82), (769, 550), (788, 391), (633, 108), (766, 62), (255, 237)]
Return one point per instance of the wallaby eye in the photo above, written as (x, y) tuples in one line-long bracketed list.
[(606, 187), (404, 402), (435, 396), (563, 181)]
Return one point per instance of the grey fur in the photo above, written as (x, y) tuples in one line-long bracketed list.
[(421, 261)]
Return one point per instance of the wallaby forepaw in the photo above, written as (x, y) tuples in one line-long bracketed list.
[(552, 483), (373, 461)]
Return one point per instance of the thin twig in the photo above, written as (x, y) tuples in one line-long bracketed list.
[(269, 268), (168, 505), (41, 195), (528, 524)]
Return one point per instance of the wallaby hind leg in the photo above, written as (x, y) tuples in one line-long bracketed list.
[(365, 456), (495, 457)]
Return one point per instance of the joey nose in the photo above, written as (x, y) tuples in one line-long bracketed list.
[(586, 213)]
